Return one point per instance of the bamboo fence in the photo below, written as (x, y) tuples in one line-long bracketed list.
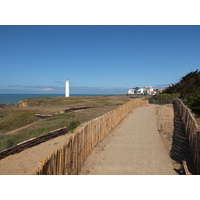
[(69, 158), (192, 132)]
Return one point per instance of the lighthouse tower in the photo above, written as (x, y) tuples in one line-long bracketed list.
[(67, 88)]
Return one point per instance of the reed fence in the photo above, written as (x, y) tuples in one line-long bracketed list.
[(192, 132), (69, 158)]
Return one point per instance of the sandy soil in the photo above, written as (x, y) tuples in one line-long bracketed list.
[(165, 123), (27, 161)]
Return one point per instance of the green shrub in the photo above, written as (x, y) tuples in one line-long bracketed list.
[(189, 89), (165, 96), (194, 103)]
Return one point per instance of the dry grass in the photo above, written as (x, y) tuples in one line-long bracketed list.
[(12, 119)]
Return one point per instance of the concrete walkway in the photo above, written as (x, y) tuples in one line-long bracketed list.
[(134, 148)]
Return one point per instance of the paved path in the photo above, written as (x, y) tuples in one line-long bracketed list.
[(134, 148)]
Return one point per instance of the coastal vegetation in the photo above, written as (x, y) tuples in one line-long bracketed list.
[(187, 89), (21, 123)]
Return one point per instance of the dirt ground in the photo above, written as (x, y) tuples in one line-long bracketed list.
[(26, 162), (165, 124)]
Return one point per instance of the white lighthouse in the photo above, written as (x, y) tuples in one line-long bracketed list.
[(67, 88)]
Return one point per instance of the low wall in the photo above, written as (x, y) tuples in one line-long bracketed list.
[(192, 132), (69, 158)]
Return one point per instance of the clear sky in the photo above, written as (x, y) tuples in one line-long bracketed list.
[(96, 59)]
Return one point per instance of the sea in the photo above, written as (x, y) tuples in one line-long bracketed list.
[(15, 98)]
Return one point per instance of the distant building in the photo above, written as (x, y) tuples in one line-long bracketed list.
[(148, 90), (154, 92), (131, 91), (158, 91), (141, 90)]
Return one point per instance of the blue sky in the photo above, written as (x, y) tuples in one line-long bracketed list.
[(96, 59)]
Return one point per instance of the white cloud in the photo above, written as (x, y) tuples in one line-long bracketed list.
[(48, 89)]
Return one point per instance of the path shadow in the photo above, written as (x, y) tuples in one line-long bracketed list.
[(180, 150)]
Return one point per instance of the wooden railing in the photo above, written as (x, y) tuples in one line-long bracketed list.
[(192, 132), (69, 158)]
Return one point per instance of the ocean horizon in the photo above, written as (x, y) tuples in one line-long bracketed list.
[(15, 98)]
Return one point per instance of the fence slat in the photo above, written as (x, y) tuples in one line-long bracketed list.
[(192, 132)]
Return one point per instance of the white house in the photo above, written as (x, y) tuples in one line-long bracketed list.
[(131, 91), (148, 90), (141, 90)]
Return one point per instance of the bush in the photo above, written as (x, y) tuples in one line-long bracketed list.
[(189, 89), (194, 103), (165, 96)]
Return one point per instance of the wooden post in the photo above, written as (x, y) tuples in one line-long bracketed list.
[(185, 168)]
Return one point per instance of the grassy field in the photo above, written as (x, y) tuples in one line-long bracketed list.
[(20, 123)]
